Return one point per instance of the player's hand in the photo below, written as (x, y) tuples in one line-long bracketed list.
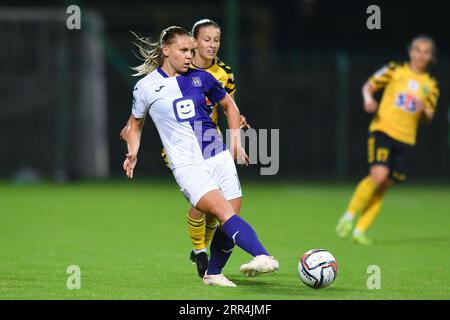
[(240, 156), (420, 106), (129, 164), (422, 109), (243, 124), (371, 106)]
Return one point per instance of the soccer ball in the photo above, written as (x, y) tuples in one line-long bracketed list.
[(317, 268)]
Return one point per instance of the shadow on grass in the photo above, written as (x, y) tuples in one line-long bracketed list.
[(251, 282), (286, 288)]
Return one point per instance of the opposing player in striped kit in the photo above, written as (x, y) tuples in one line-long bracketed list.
[(410, 97), (175, 96)]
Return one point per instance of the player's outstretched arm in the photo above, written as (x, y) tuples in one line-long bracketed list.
[(234, 120), (131, 134), (370, 104)]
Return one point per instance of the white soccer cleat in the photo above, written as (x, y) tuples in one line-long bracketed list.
[(259, 265), (217, 280)]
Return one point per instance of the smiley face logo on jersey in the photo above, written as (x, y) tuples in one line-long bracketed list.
[(184, 109)]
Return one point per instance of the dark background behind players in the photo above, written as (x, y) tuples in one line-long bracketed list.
[(309, 58)]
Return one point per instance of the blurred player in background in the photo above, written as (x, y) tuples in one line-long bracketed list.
[(207, 35), (175, 95), (410, 97)]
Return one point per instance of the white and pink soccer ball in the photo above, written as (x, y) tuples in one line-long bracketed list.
[(317, 268)]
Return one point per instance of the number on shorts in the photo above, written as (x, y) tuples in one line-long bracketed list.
[(382, 154)]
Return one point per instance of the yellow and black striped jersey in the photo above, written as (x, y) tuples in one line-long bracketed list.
[(223, 73), (397, 115)]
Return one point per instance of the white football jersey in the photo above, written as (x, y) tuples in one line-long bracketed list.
[(179, 109)]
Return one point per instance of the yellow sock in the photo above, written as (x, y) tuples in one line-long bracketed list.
[(370, 213), (196, 230), (211, 225), (362, 195)]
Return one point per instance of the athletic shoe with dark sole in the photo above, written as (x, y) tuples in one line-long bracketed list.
[(201, 260)]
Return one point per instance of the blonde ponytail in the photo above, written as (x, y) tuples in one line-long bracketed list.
[(151, 52)]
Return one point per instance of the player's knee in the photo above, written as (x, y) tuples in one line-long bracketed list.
[(222, 213), (222, 210), (236, 205), (379, 177), (215, 203)]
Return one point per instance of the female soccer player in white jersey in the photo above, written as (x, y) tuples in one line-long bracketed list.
[(175, 96), (207, 34)]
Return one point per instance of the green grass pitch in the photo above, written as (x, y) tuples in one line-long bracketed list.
[(130, 240)]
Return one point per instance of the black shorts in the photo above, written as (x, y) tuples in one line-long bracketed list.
[(386, 151)]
